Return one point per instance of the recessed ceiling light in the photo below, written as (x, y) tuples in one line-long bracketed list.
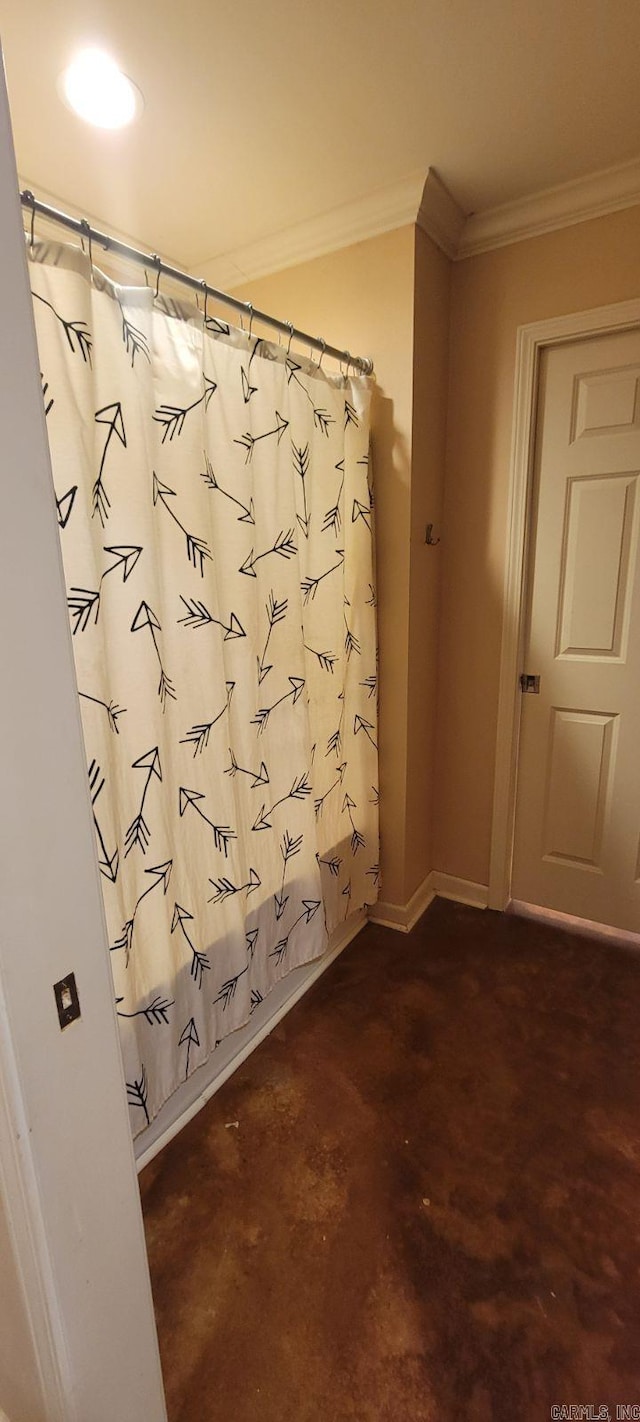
[(99, 92)]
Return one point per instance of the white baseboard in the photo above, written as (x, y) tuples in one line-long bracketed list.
[(403, 917), (464, 891), (194, 1093)]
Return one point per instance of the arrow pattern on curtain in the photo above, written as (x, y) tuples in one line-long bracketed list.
[(224, 637)]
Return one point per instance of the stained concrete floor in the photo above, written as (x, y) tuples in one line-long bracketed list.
[(429, 1209)]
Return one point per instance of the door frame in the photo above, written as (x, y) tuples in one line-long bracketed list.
[(531, 340)]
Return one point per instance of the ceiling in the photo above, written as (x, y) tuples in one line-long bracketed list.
[(259, 116)]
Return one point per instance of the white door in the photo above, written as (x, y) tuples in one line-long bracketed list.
[(577, 825)]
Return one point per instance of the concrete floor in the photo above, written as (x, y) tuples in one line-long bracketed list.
[(429, 1208)]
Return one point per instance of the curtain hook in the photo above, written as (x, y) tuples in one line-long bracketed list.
[(206, 298), (158, 263), (348, 363), (249, 305), (324, 347), (30, 198), (291, 330), (87, 231)]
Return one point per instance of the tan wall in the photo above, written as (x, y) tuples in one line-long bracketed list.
[(431, 351), (588, 265), (362, 298)]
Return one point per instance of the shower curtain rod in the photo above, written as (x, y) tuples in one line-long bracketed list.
[(82, 228)]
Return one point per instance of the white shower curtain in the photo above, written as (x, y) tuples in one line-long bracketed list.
[(215, 511)]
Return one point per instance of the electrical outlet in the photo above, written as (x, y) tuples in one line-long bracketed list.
[(67, 1001)]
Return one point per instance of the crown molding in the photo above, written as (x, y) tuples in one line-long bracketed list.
[(370, 216), (440, 216), (609, 190)]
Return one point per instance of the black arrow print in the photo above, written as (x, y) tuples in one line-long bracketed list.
[(199, 961), (189, 1038), (138, 1093), (374, 873), (161, 874), (276, 612), (222, 834), (198, 736), (333, 864), (351, 643), (249, 441), (301, 461), (138, 831), (247, 388), (172, 417), (108, 865), (346, 894), (75, 331), (299, 791), (262, 716), (212, 483), (288, 849), (310, 907), (84, 603), (322, 420), (252, 939), (48, 404), (359, 724), (135, 342), (197, 615), (326, 660), (146, 617), (284, 547), (224, 887), (154, 1013), (110, 415), (370, 684), (357, 840), (197, 549), (361, 511), (350, 416), (333, 517), (228, 990), (256, 999), (112, 710), (372, 600), (258, 777), (215, 326), (318, 805), (65, 504), (334, 742), (320, 417), (309, 586)]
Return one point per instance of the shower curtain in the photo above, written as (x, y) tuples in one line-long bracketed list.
[(215, 513)]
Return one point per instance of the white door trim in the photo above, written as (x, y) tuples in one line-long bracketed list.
[(531, 340)]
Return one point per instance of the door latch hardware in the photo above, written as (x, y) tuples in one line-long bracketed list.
[(530, 683)]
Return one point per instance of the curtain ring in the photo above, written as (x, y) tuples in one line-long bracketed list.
[(30, 198), (324, 347), (87, 231), (291, 330), (206, 298), (249, 305), (158, 262), (348, 363)]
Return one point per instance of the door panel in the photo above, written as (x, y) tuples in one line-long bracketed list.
[(598, 534), (578, 785), (577, 829)]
